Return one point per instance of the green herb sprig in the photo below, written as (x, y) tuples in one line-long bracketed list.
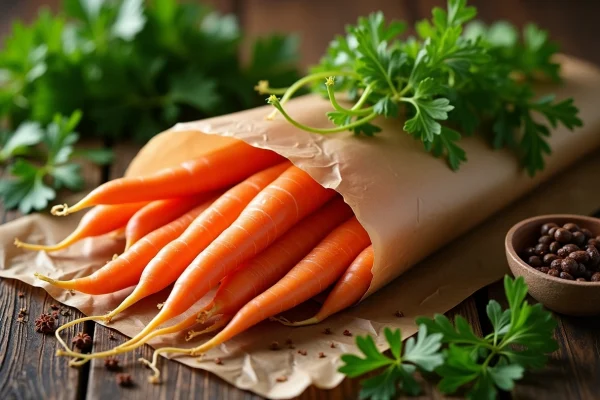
[(446, 82), (521, 338), (135, 68), (40, 161)]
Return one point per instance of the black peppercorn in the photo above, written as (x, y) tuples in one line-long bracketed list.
[(552, 231), (554, 272), (594, 256), (542, 249), (556, 263), (567, 249), (546, 228), (546, 239), (570, 226), (588, 234), (580, 256), (563, 236), (570, 266), (544, 269), (535, 261), (530, 251), (566, 275), (591, 242), (578, 238), (548, 258), (554, 247)]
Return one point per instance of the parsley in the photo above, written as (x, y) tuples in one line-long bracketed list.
[(39, 162), (399, 369), (521, 338), (134, 68), (446, 82)]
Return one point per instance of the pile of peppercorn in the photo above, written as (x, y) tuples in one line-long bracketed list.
[(567, 252)]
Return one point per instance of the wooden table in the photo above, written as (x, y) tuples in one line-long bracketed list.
[(29, 369)]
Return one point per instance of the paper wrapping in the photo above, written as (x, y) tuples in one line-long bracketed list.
[(409, 202)]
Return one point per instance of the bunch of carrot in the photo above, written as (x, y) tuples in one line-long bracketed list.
[(240, 219)]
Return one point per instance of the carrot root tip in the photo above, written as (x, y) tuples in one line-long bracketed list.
[(44, 278), (114, 257), (60, 210), (287, 322)]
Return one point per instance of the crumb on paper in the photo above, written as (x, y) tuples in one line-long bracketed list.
[(347, 333), (302, 352), (327, 331), (322, 355), (274, 346), (332, 345), (399, 314), (218, 361), (282, 379)]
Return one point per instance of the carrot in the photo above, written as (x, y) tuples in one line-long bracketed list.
[(276, 209), (347, 291), (309, 277), (168, 264), (125, 270), (100, 220), (251, 279), (157, 214), (214, 171), (264, 270)]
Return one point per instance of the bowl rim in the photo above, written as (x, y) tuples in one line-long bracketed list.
[(546, 217)]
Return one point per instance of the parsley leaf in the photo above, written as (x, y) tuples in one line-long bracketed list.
[(455, 77), (33, 180), (521, 338), (422, 352)]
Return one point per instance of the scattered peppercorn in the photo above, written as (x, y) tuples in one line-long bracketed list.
[(327, 331), (54, 314), (302, 352), (332, 345), (322, 355), (82, 341), (399, 314), (282, 379), (21, 294), (112, 364), (218, 361), (45, 323), (274, 345), (111, 336), (124, 380), (347, 333), (54, 306), (568, 252), (21, 316)]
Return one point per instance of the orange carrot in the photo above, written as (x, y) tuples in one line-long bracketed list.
[(168, 264), (214, 171), (159, 213), (264, 270), (348, 290), (276, 209), (125, 270), (326, 263), (99, 221)]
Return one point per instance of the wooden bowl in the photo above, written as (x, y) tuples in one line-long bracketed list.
[(560, 295)]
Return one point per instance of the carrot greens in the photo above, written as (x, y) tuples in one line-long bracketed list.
[(447, 81)]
